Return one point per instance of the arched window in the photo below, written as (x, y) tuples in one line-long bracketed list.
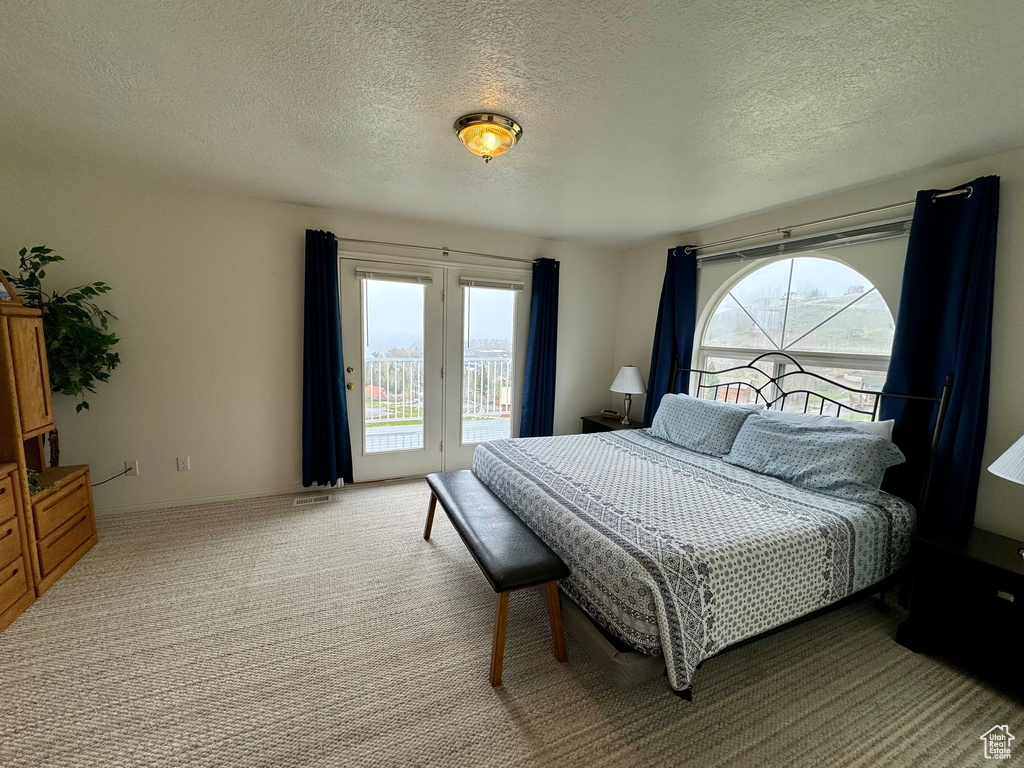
[(823, 313)]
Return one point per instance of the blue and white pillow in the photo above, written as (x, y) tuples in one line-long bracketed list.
[(840, 461), (704, 426), (882, 428)]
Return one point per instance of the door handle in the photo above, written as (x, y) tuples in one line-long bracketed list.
[(350, 386)]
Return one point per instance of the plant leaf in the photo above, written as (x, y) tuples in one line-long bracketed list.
[(78, 337)]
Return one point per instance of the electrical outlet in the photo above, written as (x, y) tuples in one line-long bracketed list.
[(183, 464), (131, 468)]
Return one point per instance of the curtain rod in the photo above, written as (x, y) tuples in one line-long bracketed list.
[(836, 238), (787, 231), (442, 249)]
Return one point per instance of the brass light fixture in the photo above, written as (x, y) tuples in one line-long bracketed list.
[(487, 135)]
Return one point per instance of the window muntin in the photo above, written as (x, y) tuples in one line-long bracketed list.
[(825, 314)]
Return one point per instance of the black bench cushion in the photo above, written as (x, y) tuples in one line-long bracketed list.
[(510, 555)]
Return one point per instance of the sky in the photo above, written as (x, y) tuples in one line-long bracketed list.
[(394, 313), (829, 276)]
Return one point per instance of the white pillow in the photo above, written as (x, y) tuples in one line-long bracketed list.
[(880, 428)]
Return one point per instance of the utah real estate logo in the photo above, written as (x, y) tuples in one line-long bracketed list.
[(997, 742)]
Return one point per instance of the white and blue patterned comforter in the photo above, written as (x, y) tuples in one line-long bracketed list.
[(679, 553)]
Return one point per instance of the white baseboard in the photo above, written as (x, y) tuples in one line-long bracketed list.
[(280, 490), (189, 501)]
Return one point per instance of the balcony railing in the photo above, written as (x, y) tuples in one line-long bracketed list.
[(486, 387), (393, 390), (393, 399)]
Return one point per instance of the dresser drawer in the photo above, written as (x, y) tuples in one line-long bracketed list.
[(13, 583), (57, 509), (10, 541), (6, 498), (57, 546)]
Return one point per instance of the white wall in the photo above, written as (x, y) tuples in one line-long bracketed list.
[(1000, 503), (208, 292), (208, 289)]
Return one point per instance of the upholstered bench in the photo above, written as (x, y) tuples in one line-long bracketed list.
[(510, 555)]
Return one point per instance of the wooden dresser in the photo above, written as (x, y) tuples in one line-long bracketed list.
[(17, 589), (43, 534)]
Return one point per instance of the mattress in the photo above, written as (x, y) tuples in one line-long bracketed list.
[(678, 553)]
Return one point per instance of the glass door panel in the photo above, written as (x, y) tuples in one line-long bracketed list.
[(393, 337), (392, 319), (488, 317), (488, 374)]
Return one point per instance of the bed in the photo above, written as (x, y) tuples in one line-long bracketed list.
[(679, 553)]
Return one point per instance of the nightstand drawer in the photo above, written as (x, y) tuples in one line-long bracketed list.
[(10, 541), (968, 600), (963, 606), (1001, 600)]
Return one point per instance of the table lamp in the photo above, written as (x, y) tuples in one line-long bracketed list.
[(1010, 466), (629, 382)]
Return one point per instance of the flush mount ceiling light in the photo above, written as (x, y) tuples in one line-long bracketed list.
[(487, 135)]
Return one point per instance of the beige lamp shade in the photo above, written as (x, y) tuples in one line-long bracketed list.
[(629, 381), (1010, 466)]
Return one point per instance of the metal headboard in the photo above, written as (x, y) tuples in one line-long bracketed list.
[(775, 392)]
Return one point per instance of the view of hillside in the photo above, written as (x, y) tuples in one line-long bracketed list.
[(815, 324), (810, 305), (805, 305)]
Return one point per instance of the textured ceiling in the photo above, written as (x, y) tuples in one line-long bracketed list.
[(640, 118)]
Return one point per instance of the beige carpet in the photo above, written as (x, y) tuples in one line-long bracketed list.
[(259, 634)]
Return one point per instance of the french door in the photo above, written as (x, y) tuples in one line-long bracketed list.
[(435, 357)]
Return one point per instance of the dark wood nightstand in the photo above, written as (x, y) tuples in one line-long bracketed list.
[(968, 602), (604, 424)]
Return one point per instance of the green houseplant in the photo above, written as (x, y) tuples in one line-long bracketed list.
[(79, 342)]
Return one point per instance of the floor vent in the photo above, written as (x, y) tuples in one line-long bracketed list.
[(303, 500)]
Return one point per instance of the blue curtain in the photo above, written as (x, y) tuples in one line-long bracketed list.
[(326, 450), (538, 419), (944, 326), (673, 333)]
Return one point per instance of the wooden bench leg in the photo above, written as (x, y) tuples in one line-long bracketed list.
[(430, 516), (555, 615), (498, 646)]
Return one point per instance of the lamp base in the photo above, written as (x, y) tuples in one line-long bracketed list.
[(627, 401)]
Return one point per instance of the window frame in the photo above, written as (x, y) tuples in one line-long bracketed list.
[(778, 367)]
